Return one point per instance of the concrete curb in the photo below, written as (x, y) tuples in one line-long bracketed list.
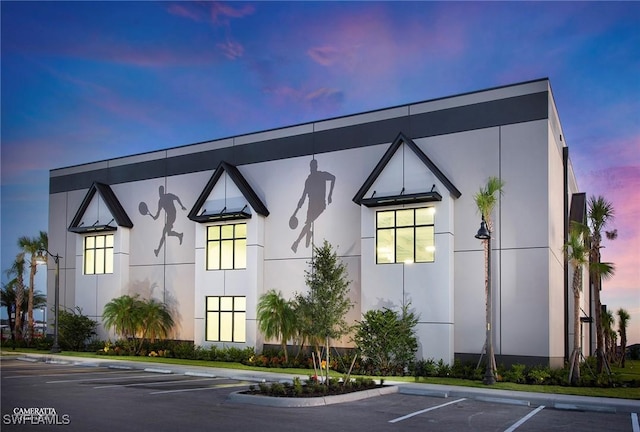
[(287, 402)]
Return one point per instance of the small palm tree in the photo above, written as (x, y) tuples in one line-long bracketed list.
[(276, 318), (607, 324), (577, 254), (122, 314), (32, 246), (600, 212), (623, 323), (156, 321), (486, 199)]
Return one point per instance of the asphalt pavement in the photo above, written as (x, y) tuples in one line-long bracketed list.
[(487, 394)]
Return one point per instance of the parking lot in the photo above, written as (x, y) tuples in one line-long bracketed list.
[(43, 396)]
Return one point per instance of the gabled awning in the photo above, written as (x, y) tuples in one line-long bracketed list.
[(200, 214), (119, 215), (401, 197)]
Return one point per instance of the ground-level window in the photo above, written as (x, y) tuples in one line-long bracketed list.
[(405, 235), (98, 254), (226, 319), (227, 247)]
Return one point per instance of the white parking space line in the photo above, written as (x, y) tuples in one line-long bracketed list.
[(61, 374), (424, 411), (200, 388), (152, 383), (634, 422), (524, 419), (147, 375)]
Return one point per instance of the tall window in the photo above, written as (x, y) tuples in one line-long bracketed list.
[(227, 247), (405, 236), (98, 254), (226, 319)]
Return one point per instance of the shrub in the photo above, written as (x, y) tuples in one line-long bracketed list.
[(424, 368), (516, 374), (387, 339), (75, 329)]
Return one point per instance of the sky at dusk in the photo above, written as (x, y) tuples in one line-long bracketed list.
[(87, 81)]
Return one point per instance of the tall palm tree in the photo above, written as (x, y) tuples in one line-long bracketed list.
[(17, 272), (32, 246), (276, 318), (486, 200), (623, 323), (600, 212), (577, 254)]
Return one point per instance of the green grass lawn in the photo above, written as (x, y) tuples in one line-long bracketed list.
[(631, 371)]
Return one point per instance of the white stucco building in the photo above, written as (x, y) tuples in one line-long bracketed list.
[(209, 227)]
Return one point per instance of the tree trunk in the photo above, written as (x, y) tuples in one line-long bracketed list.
[(574, 362), (327, 375), (17, 326), (30, 325), (598, 309)]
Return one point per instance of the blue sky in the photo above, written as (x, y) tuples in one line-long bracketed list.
[(86, 81)]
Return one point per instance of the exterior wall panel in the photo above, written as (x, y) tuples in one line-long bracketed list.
[(503, 132)]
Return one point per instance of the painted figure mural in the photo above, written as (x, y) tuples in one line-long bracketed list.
[(166, 202), (315, 189)]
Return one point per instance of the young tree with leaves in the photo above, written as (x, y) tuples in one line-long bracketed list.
[(327, 302)]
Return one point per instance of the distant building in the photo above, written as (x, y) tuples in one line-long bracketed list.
[(207, 228)]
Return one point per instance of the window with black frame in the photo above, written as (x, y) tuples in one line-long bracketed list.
[(405, 235)]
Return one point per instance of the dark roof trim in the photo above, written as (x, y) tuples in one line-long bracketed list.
[(113, 204), (400, 139), (578, 211), (241, 183), (401, 199), (492, 113)]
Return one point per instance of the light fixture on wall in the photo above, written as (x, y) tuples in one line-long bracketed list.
[(42, 258)]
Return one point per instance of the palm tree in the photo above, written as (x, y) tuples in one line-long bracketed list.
[(17, 271), (623, 323), (577, 254), (8, 301), (276, 318), (122, 314), (32, 246), (138, 319), (486, 199), (607, 324), (600, 213), (157, 321)]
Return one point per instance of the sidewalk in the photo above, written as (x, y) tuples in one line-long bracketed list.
[(558, 401)]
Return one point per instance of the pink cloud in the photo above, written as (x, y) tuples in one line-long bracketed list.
[(224, 10), (216, 13), (183, 10), (325, 56), (232, 50)]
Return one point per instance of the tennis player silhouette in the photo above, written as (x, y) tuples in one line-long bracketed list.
[(166, 202), (315, 188)]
